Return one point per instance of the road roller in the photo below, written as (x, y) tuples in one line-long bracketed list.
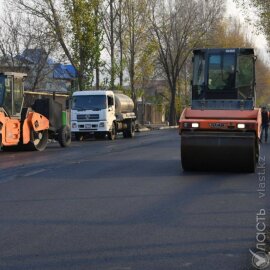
[(19, 127), (28, 127), (221, 128)]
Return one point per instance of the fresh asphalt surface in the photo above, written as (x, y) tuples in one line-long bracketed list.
[(125, 205)]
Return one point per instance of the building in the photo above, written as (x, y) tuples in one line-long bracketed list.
[(151, 108), (43, 73)]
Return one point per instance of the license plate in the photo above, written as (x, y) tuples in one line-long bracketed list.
[(88, 126)]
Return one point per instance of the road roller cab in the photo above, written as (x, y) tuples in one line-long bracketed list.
[(19, 126), (220, 131)]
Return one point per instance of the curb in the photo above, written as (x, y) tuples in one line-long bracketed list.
[(169, 127), (144, 129)]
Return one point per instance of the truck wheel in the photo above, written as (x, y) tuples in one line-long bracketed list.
[(112, 133), (78, 136), (38, 141), (130, 132), (64, 136)]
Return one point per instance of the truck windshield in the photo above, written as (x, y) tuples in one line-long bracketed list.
[(89, 102), (221, 74)]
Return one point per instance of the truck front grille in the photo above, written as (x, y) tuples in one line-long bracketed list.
[(88, 117)]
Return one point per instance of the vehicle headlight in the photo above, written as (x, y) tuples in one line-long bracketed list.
[(101, 124), (74, 125), (195, 125), (241, 126)]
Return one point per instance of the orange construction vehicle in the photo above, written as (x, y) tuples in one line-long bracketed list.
[(19, 127), (221, 129)]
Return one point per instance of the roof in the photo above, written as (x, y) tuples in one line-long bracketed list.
[(93, 92), (227, 50), (33, 56), (71, 70), (61, 72)]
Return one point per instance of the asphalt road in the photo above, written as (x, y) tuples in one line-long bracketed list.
[(126, 205)]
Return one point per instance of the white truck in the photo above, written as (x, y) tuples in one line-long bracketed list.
[(102, 113)]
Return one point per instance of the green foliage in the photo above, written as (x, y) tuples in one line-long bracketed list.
[(127, 92), (137, 45), (145, 65), (86, 37)]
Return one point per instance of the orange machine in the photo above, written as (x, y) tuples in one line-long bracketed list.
[(19, 127), (221, 129)]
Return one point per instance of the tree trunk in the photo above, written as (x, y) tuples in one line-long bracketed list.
[(132, 82), (112, 45), (121, 75), (172, 116), (97, 56), (97, 77), (121, 44), (80, 81), (132, 59), (132, 86)]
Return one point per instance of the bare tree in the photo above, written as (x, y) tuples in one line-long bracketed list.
[(135, 37), (109, 24), (114, 27), (98, 33), (121, 46), (74, 26), (178, 27), (19, 35)]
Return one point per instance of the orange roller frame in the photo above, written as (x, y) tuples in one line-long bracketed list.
[(34, 121), (10, 130)]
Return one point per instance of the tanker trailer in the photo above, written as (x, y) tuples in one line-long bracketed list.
[(102, 113)]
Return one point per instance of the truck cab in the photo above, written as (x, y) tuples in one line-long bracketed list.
[(92, 112)]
